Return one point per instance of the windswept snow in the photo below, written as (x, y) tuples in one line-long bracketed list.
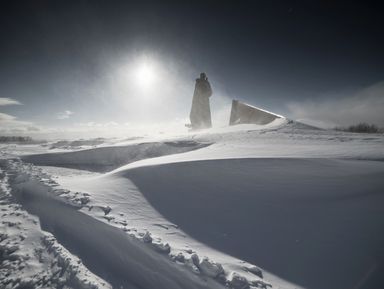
[(310, 221), (277, 206), (279, 139), (108, 158), (107, 251)]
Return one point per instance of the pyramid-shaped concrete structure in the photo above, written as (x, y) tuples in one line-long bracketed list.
[(245, 113)]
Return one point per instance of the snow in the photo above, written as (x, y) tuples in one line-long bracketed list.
[(277, 206), (107, 158), (107, 251), (218, 205), (31, 258)]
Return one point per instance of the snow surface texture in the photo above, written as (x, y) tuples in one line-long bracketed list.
[(30, 258), (281, 214), (201, 210), (109, 252)]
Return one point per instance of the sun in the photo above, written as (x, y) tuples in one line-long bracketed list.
[(145, 75)]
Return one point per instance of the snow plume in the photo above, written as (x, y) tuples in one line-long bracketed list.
[(8, 101), (65, 114), (220, 109), (150, 87), (364, 106)]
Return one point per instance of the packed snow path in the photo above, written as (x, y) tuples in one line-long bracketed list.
[(31, 258), (107, 251)]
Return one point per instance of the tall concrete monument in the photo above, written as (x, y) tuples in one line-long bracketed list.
[(200, 115)]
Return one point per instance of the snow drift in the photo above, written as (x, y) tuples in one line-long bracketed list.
[(104, 159), (303, 204), (107, 251), (314, 222)]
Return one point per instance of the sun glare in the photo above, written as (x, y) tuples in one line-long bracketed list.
[(145, 75)]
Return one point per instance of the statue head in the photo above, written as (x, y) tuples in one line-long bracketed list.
[(203, 76)]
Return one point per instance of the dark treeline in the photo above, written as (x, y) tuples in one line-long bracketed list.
[(15, 139), (361, 128)]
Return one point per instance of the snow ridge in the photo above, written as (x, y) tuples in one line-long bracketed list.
[(40, 184), (104, 159), (30, 258)]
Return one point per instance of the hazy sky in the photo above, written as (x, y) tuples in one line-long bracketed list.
[(86, 63)]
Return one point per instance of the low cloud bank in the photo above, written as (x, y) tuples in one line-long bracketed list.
[(9, 124), (8, 101), (364, 106)]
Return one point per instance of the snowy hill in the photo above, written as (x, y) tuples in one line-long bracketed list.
[(284, 205)]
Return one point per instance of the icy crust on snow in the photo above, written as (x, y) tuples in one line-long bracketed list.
[(30, 258), (34, 178)]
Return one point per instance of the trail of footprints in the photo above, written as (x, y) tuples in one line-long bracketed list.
[(49, 247), (30, 258)]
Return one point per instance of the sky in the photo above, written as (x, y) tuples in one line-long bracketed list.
[(85, 64)]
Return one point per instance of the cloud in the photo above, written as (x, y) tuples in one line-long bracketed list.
[(10, 124), (65, 114), (8, 101), (364, 106), (6, 118)]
